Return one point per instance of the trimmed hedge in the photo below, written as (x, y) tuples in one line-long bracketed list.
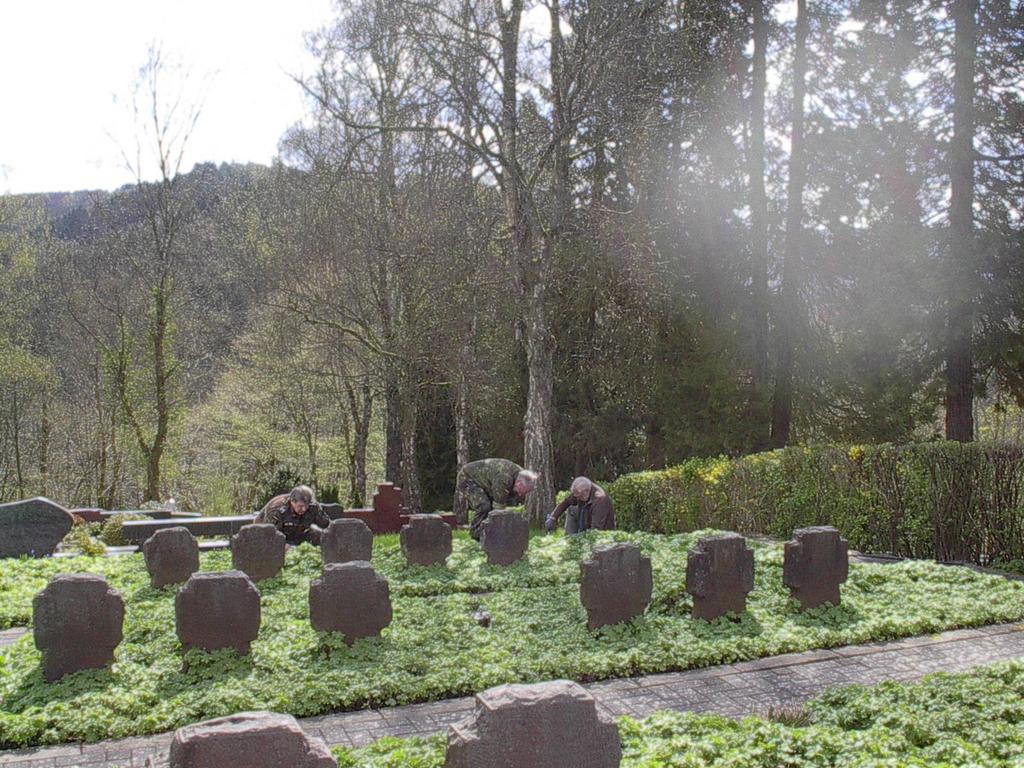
[(946, 500)]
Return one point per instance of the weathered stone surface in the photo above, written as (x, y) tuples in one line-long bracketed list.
[(426, 540), (719, 574), (346, 541), (350, 598), (506, 536), (616, 584), (172, 555), (248, 740), (218, 610), (258, 551), (816, 562), (545, 725), (32, 527), (77, 623)]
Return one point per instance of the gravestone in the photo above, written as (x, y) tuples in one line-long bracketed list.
[(426, 540), (506, 536), (719, 574), (345, 541), (248, 740), (172, 555), (218, 610), (544, 725), (32, 527), (616, 584), (77, 622), (350, 598), (814, 565), (258, 551)]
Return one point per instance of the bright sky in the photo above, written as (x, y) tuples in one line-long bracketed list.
[(68, 68)]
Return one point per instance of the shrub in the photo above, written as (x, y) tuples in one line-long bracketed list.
[(946, 500)]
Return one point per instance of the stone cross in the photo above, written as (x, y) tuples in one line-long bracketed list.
[(250, 739), (616, 584), (258, 551), (506, 536), (77, 622), (544, 725), (171, 555), (350, 598), (814, 565), (32, 527), (346, 540), (426, 540), (719, 574), (218, 610)]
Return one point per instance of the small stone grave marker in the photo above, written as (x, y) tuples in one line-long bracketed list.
[(249, 739), (77, 622), (347, 540), (426, 540), (506, 537), (350, 598), (171, 555), (719, 574), (258, 550), (218, 610), (616, 584), (32, 527), (815, 563)]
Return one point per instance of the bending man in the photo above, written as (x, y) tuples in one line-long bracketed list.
[(488, 484), (297, 515), (587, 505)]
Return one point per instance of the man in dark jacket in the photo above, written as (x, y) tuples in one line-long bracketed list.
[(297, 515), (488, 484), (587, 506)]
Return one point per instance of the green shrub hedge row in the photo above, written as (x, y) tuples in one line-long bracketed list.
[(945, 500)]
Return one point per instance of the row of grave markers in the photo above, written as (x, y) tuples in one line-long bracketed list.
[(78, 618), (556, 724)]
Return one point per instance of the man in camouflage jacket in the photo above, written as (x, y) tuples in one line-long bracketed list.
[(488, 484)]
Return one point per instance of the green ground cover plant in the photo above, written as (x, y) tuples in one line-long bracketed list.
[(946, 721), (434, 648)]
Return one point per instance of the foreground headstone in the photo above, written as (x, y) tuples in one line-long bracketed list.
[(719, 574), (506, 536), (258, 551), (815, 563), (350, 598), (172, 555), (32, 527), (616, 584), (346, 541), (426, 540), (218, 610), (248, 740), (545, 725), (77, 621)]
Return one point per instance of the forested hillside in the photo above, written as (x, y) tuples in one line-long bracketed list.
[(592, 236)]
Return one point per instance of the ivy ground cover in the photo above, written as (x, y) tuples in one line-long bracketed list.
[(434, 648), (966, 720)]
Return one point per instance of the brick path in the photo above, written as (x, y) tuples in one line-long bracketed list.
[(734, 690)]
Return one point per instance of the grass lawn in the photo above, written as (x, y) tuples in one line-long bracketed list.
[(434, 648)]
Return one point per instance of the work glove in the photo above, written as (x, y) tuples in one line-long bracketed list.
[(549, 523)]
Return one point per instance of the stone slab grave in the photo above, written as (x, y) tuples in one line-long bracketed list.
[(719, 574), (32, 527), (258, 551), (544, 725), (426, 540), (171, 555), (815, 563), (248, 740), (505, 538), (77, 622), (345, 541), (350, 598), (615, 585), (218, 609)]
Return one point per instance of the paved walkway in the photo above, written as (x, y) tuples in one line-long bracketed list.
[(735, 690)]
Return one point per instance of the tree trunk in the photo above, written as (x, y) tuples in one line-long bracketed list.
[(392, 429), (411, 494), (16, 423), (537, 453), (782, 401), (44, 448), (759, 227), (959, 322)]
